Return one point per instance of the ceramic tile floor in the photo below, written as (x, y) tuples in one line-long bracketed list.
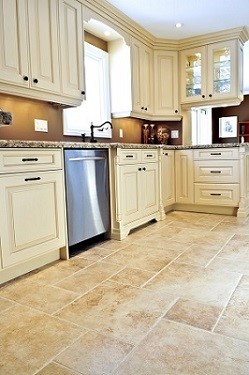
[(170, 299)]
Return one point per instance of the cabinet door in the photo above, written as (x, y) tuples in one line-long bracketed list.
[(193, 75), (166, 96), (71, 32), (224, 65), (147, 80), (14, 42), (168, 177), (32, 205), (149, 188), (184, 176), (44, 46), (129, 194)]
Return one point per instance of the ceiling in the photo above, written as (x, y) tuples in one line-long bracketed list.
[(197, 16)]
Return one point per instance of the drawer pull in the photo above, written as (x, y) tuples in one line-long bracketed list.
[(217, 194), (149, 156), (215, 171), (29, 159), (215, 153), (166, 154), (129, 156), (32, 179)]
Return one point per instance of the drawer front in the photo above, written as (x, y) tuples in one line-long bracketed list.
[(22, 160), (128, 156), (216, 153), (217, 194), (225, 171), (149, 155)]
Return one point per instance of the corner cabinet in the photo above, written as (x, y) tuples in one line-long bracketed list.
[(32, 223), (212, 74), (34, 55), (134, 189), (142, 79)]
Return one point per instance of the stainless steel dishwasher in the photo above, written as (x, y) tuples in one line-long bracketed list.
[(87, 193)]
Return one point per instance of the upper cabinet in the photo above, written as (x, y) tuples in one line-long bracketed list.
[(212, 74), (34, 56), (142, 78), (166, 93)]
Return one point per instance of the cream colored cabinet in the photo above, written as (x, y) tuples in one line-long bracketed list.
[(134, 189), (168, 177), (166, 93), (184, 176), (212, 73), (32, 224), (35, 58), (142, 79), (217, 177)]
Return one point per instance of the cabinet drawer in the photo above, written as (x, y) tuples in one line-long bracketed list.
[(149, 155), (224, 171), (128, 156), (216, 153), (217, 194), (18, 160)]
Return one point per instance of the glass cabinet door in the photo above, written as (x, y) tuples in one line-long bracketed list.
[(193, 84), (221, 70)]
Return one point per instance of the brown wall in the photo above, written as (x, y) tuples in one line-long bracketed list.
[(242, 111)]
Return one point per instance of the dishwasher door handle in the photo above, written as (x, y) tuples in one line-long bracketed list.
[(85, 158)]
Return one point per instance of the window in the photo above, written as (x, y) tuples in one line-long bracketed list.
[(201, 119), (96, 107)]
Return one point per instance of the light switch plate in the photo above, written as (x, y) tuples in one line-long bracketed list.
[(174, 133), (41, 125)]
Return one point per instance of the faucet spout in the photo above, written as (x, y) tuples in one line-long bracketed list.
[(100, 127)]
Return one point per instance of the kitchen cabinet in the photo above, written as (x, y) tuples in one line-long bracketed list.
[(34, 58), (142, 79), (168, 177), (212, 74), (32, 224), (166, 93), (184, 176), (135, 181)]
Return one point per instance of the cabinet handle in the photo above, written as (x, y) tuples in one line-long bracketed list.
[(166, 154), (176, 111), (25, 78), (203, 96), (215, 171), (129, 156), (139, 169), (33, 179), (146, 109), (210, 95), (215, 153), (29, 159), (83, 92), (35, 80), (149, 156), (218, 194), (144, 169)]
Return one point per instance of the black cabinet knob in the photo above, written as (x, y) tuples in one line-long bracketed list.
[(35, 80), (25, 78), (176, 111), (203, 96), (142, 107), (139, 169), (144, 169), (146, 108), (83, 92), (210, 95)]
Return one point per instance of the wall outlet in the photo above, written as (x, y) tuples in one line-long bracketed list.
[(121, 133), (41, 125), (174, 133)]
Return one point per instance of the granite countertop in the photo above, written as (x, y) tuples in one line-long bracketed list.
[(56, 144)]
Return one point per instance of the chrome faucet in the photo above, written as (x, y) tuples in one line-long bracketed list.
[(100, 127)]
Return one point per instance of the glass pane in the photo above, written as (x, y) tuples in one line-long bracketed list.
[(193, 75), (222, 70)]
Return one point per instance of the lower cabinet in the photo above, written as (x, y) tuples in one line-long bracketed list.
[(168, 177), (135, 180), (184, 176), (32, 206)]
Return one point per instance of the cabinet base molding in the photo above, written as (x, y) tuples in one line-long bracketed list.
[(230, 211), (16, 270), (120, 233)]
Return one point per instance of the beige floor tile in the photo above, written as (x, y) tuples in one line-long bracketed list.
[(85, 280), (94, 354), (118, 311), (199, 255), (232, 265), (4, 303), (96, 253), (144, 258), (29, 339), (56, 369), (132, 276), (113, 245), (42, 297), (235, 320), (175, 349), (238, 227), (196, 283), (194, 313), (59, 271)]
